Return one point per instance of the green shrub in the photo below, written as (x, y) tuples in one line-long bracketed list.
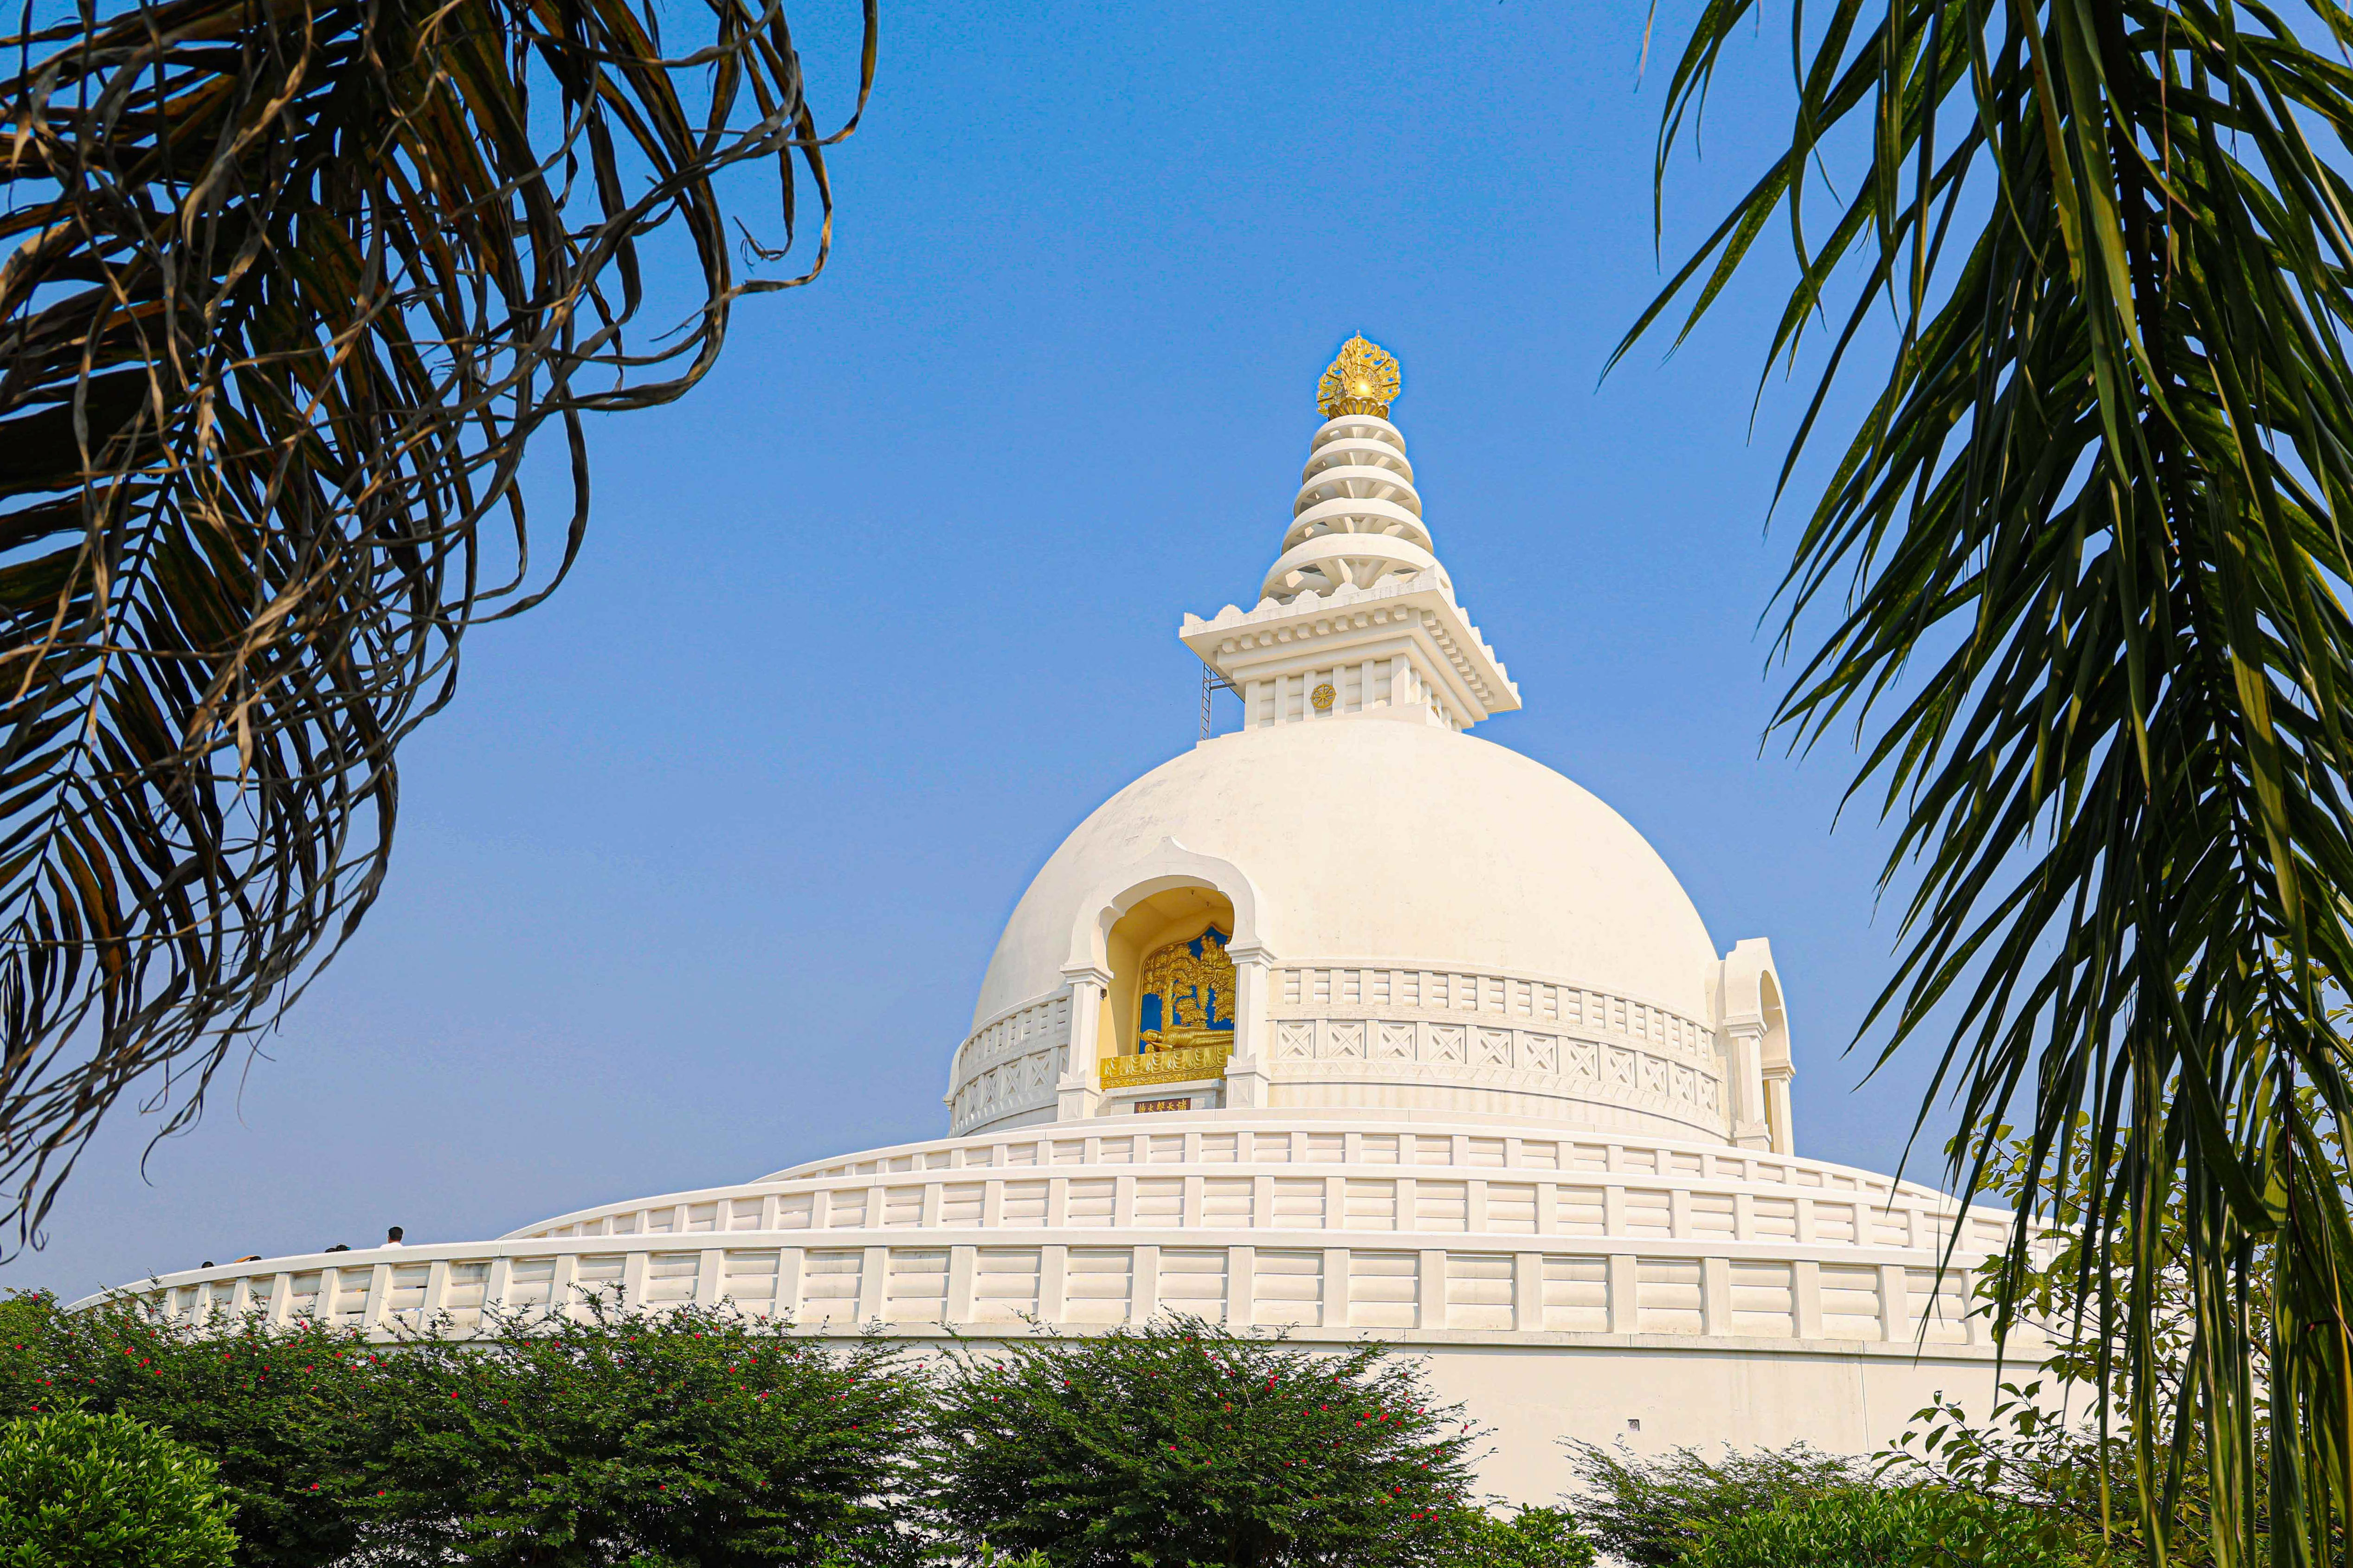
[(1871, 1527), (1533, 1537), (690, 1437), (283, 1412), (1183, 1442), (2025, 1455), (1645, 1510), (693, 1436), (78, 1491)]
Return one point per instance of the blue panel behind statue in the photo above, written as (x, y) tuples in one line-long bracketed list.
[(1187, 994)]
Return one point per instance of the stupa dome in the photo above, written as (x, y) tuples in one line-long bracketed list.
[(1393, 844), (1349, 906), (1346, 1023)]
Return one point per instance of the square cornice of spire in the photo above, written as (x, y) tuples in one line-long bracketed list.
[(1313, 629)]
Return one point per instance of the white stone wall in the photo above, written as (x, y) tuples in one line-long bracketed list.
[(1358, 1034), (1662, 1383), (1565, 1285), (1364, 1035), (1005, 1071)]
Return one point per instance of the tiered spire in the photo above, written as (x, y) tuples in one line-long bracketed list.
[(1357, 520), (1358, 579)]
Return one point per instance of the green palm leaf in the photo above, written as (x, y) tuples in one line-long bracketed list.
[(289, 287), (2076, 578)]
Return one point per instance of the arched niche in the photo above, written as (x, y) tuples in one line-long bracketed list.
[(1171, 864), (1187, 914), (1755, 1036), (1146, 903)]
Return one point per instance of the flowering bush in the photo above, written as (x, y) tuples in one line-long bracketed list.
[(687, 1436), (78, 1491), (1183, 1442), (280, 1412)]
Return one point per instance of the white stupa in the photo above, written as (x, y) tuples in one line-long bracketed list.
[(1350, 1023)]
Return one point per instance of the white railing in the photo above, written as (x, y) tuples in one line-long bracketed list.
[(1011, 1063), (1368, 988), (1518, 1044), (1551, 1045), (1332, 1227), (962, 1282)]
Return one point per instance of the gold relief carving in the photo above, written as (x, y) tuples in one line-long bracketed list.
[(1322, 696), (1171, 1064), (1363, 380), (1184, 1006), (1191, 988)]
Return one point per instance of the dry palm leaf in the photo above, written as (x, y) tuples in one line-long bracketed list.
[(289, 286)]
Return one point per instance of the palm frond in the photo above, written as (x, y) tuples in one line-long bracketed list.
[(289, 287), (2077, 574)]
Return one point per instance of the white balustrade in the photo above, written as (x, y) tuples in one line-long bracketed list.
[(1488, 1042), (1464, 1233)]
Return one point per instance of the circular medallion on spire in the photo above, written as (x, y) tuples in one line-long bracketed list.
[(1363, 380)]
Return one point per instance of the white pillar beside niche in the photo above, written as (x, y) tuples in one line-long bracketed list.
[(1079, 1089)]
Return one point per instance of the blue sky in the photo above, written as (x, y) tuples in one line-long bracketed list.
[(698, 876)]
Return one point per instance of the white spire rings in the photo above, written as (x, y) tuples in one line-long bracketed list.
[(1357, 521)]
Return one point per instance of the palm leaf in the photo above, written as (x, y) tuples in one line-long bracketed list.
[(2074, 582), (290, 287)]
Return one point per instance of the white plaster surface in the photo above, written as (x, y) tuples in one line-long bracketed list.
[(1685, 1397), (1372, 840)]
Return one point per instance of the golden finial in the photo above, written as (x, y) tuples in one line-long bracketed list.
[(1363, 380)]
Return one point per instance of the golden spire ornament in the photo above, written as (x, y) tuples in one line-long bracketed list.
[(1363, 380)]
